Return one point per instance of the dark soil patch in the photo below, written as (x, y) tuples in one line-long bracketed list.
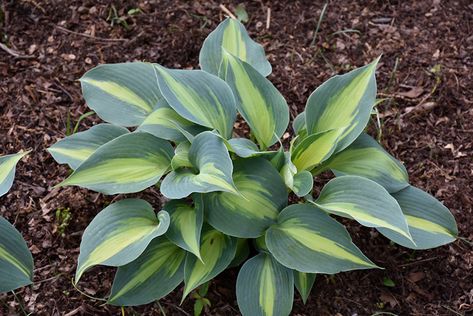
[(427, 123)]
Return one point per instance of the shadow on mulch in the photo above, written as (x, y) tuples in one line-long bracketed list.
[(425, 74)]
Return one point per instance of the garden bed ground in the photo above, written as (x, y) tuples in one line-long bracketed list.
[(426, 73)]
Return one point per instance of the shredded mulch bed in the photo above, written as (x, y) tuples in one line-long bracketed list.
[(426, 76)]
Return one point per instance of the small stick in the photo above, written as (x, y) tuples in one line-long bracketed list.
[(13, 52), (90, 36), (228, 12), (268, 18)]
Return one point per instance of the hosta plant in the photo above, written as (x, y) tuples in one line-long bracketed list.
[(16, 262), (226, 197)]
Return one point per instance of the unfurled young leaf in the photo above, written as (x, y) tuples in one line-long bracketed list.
[(258, 101), (186, 223), (232, 36), (345, 102), (119, 234), (212, 170), (75, 149), (217, 252)]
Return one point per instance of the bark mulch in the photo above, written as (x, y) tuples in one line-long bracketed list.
[(427, 122)]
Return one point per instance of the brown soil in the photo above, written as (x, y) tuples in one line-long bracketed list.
[(427, 123)]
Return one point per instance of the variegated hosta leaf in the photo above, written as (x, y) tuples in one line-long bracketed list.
[(242, 252), (304, 283), (262, 106), (262, 196), (364, 201), (181, 156), (315, 148), (231, 35), (306, 239), (7, 170), (213, 169), (16, 262), (153, 275), (217, 252), (366, 158), (301, 183), (127, 164), (199, 97), (245, 148), (264, 287), (431, 224), (122, 94), (186, 223), (299, 126), (75, 149), (343, 102), (166, 123), (119, 234)]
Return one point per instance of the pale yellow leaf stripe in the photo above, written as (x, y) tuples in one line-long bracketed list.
[(8, 164), (80, 154), (267, 290), (318, 243), (428, 226), (354, 212), (185, 217), (166, 257), (255, 109), (6, 256), (118, 170), (131, 231), (342, 108), (120, 92), (233, 40), (213, 245)]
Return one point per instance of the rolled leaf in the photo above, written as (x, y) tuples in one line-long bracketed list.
[(431, 224), (301, 183), (119, 234), (262, 196), (153, 275), (298, 125), (262, 106), (217, 252), (315, 148), (75, 149), (306, 239), (304, 283), (366, 158), (232, 36), (181, 156), (364, 201), (264, 287), (127, 164), (213, 170), (7, 170), (199, 97), (186, 223), (122, 94), (343, 102), (166, 123), (16, 262)]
